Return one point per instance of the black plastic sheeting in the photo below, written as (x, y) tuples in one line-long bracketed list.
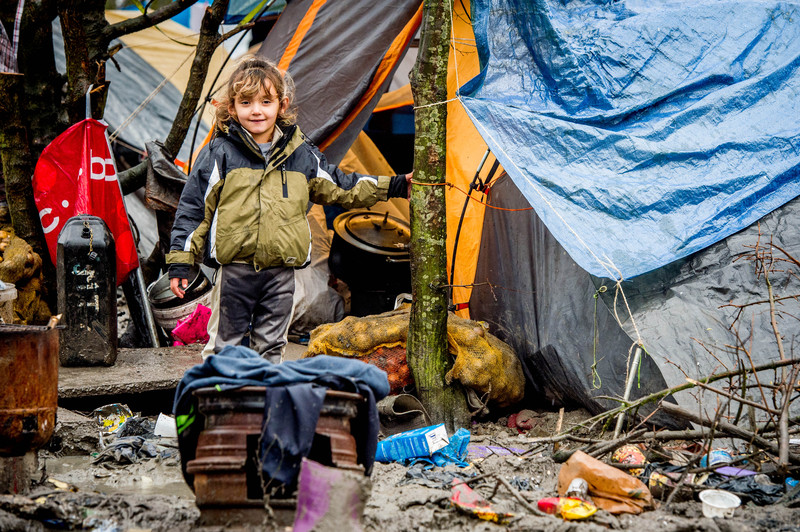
[(336, 61), (536, 298)]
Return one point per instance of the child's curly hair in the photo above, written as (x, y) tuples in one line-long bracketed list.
[(250, 75)]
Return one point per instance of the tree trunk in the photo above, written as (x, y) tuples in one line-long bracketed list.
[(86, 52), (17, 164), (134, 178), (427, 336), (44, 114)]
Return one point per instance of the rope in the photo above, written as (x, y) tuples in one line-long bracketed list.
[(433, 104), (597, 382), (467, 194), (129, 119)]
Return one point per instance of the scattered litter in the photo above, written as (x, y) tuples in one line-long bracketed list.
[(165, 426), (630, 455), (578, 489), (523, 421), (111, 417), (128, 450), (466, 500), (329, 497), (716, 457), (136, 426), (732, 471), (408, 447), (569, 508), (749, 487), (412, 444), (482, 451), (719, 503), (427, 475), (610, 489)]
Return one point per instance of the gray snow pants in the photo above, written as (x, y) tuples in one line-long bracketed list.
[(242, 297)]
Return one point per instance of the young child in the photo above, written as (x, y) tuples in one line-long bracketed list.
[(244, 206)]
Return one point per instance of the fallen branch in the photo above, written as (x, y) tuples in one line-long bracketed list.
[(728, 428), (653, 397)]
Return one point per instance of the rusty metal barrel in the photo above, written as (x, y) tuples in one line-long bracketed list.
[(29, 384), (227, 481)]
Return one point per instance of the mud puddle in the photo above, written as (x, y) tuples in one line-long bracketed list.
[(151, 477)]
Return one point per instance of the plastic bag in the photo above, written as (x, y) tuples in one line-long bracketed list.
[(610, 489)]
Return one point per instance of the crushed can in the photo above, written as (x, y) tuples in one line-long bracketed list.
[(87, 292)]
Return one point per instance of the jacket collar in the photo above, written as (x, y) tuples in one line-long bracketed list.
[(284, 142)]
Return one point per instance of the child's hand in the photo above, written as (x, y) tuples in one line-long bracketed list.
[(178, 286), (408, 180)]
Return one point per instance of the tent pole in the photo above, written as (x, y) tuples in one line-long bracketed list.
[(148, 312), (628, 387), (460, 222)]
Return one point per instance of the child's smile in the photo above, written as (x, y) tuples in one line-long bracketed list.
[(258, 113)]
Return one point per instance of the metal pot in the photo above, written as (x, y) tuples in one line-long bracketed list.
[(369, 252)]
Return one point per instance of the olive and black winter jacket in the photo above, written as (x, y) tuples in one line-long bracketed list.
[(238, 207)]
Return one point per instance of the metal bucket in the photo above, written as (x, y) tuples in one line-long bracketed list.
[(168, 309), (29, 380)]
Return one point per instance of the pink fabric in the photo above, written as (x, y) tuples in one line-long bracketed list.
[(193, 328)]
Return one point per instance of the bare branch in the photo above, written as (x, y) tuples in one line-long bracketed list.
[(146, 20)]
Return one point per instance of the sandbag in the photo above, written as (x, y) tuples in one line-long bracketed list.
[(482, 361)]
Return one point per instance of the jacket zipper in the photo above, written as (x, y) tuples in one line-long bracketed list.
[(283, 181)]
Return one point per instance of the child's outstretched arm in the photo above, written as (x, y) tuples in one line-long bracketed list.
[(331, 185)]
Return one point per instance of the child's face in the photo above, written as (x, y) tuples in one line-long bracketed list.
[(257, 114)]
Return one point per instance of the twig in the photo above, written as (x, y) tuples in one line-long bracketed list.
[(653, 397), (558, 427), (601, 449), (727, 428), (517, 495), (733, 397)]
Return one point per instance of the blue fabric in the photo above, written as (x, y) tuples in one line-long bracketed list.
[(293, 412), (237, 366), (641, 131)]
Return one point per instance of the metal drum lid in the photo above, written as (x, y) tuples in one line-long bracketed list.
[(375, 232)]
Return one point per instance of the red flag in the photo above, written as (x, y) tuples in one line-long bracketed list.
[(75, 175)]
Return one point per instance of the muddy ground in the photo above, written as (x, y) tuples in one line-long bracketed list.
[(77, 494)]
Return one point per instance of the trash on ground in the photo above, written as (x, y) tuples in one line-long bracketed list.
[(630, 455), (719, 503), (569, 508), (716, 457), (523, 421), (412, 444), (470, 502), (165, 426), (433, 477), (400, 413), (127, 450), (329, 498), (609, 488), (111, 417)]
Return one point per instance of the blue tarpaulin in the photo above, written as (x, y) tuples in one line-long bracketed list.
[(641, 131)]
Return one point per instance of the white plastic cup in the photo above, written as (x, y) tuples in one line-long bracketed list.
[(719, 503)]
